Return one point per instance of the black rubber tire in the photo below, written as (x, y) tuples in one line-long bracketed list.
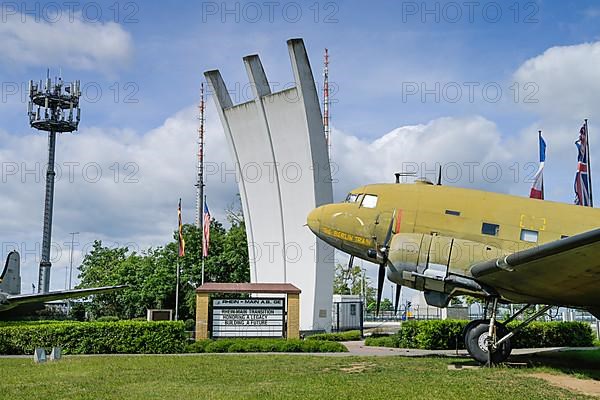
[(475, 337)]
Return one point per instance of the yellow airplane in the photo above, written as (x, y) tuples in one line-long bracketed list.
[(448, 241)]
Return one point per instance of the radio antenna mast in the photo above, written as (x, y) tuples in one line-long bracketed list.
[(326, 103)]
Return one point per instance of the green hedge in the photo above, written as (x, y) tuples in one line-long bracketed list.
[(337, 337), (265, 345), (446, 335), (129, 337)]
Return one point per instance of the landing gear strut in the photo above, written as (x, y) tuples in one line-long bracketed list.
[(488, 341)]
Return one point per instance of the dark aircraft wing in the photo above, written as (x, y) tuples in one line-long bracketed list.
[(563, 272), (12, 301)]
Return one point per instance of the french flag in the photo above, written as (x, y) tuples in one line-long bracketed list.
[(537, 190)]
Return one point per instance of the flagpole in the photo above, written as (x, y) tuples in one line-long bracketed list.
[(177, 294), (589, 162), (540, 145), (202, 236)]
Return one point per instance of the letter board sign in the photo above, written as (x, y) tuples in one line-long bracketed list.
[(253, 317)]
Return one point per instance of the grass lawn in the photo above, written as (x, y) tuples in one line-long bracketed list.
[(266, 376)]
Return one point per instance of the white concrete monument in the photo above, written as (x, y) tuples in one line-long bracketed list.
[(283, 172)]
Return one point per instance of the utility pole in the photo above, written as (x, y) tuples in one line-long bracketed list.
[(53, 108)]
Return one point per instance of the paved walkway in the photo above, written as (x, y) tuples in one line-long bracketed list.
[(355, 348)]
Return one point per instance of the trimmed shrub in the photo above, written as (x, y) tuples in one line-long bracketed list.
[(239, 345), (337, 337), (108, 318), (127, 337), (553, 334), (382, 341), (447, 334)]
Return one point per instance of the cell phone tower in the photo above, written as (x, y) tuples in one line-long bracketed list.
[(53, 108)]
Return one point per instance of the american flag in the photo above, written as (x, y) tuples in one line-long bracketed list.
[(206, 230), (582, 179), (181, 240), (537, 190)]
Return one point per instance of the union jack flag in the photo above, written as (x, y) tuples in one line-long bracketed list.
[(582, 178), (206, 230)]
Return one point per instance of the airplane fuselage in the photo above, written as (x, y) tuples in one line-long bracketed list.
[(440, 232)]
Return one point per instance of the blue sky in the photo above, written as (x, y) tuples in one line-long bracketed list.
[(148, 60)]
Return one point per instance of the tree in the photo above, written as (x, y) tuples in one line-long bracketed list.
[(351, 281), (151, 276)]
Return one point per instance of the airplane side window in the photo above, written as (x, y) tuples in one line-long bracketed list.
[(453, 212), (490, 229), (369, 201), (529, 235)]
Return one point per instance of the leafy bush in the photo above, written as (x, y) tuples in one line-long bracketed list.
[(597, 343), (382, 341), (553, 334), (129, 337), (337, 337), (447, 334), (108, 318), (190, 324), (239, 345)]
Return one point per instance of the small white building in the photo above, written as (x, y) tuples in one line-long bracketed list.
[(347, 312)]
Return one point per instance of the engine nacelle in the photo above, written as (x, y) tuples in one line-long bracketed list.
[(424, 262)]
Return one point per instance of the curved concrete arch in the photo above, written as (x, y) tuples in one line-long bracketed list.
[(281, 135)]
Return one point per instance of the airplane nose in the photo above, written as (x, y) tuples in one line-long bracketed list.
[(314, 220)]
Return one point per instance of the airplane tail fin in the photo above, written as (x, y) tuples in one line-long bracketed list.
[(10, 279)]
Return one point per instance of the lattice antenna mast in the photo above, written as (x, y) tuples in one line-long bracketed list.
[(326, 102), (200, 167), (53, 108)]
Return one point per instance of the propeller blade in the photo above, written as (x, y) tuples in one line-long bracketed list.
[(439, 182), (397, 303), (388, 235), (380, 280)]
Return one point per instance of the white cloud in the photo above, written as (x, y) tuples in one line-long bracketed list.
[(568, 79), (123, 188), (471, 151), (69, 41)]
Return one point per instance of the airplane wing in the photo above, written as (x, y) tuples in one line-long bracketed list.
[(562, 272), (11, 301)]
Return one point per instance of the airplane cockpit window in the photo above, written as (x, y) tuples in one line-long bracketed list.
[(369, 201), (351, 198)]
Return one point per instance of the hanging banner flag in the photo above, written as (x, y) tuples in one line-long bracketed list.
[(181, 240), (582, 177), (537, 190), (206, 233)]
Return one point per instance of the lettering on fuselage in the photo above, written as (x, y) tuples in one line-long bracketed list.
[(348, 237)]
